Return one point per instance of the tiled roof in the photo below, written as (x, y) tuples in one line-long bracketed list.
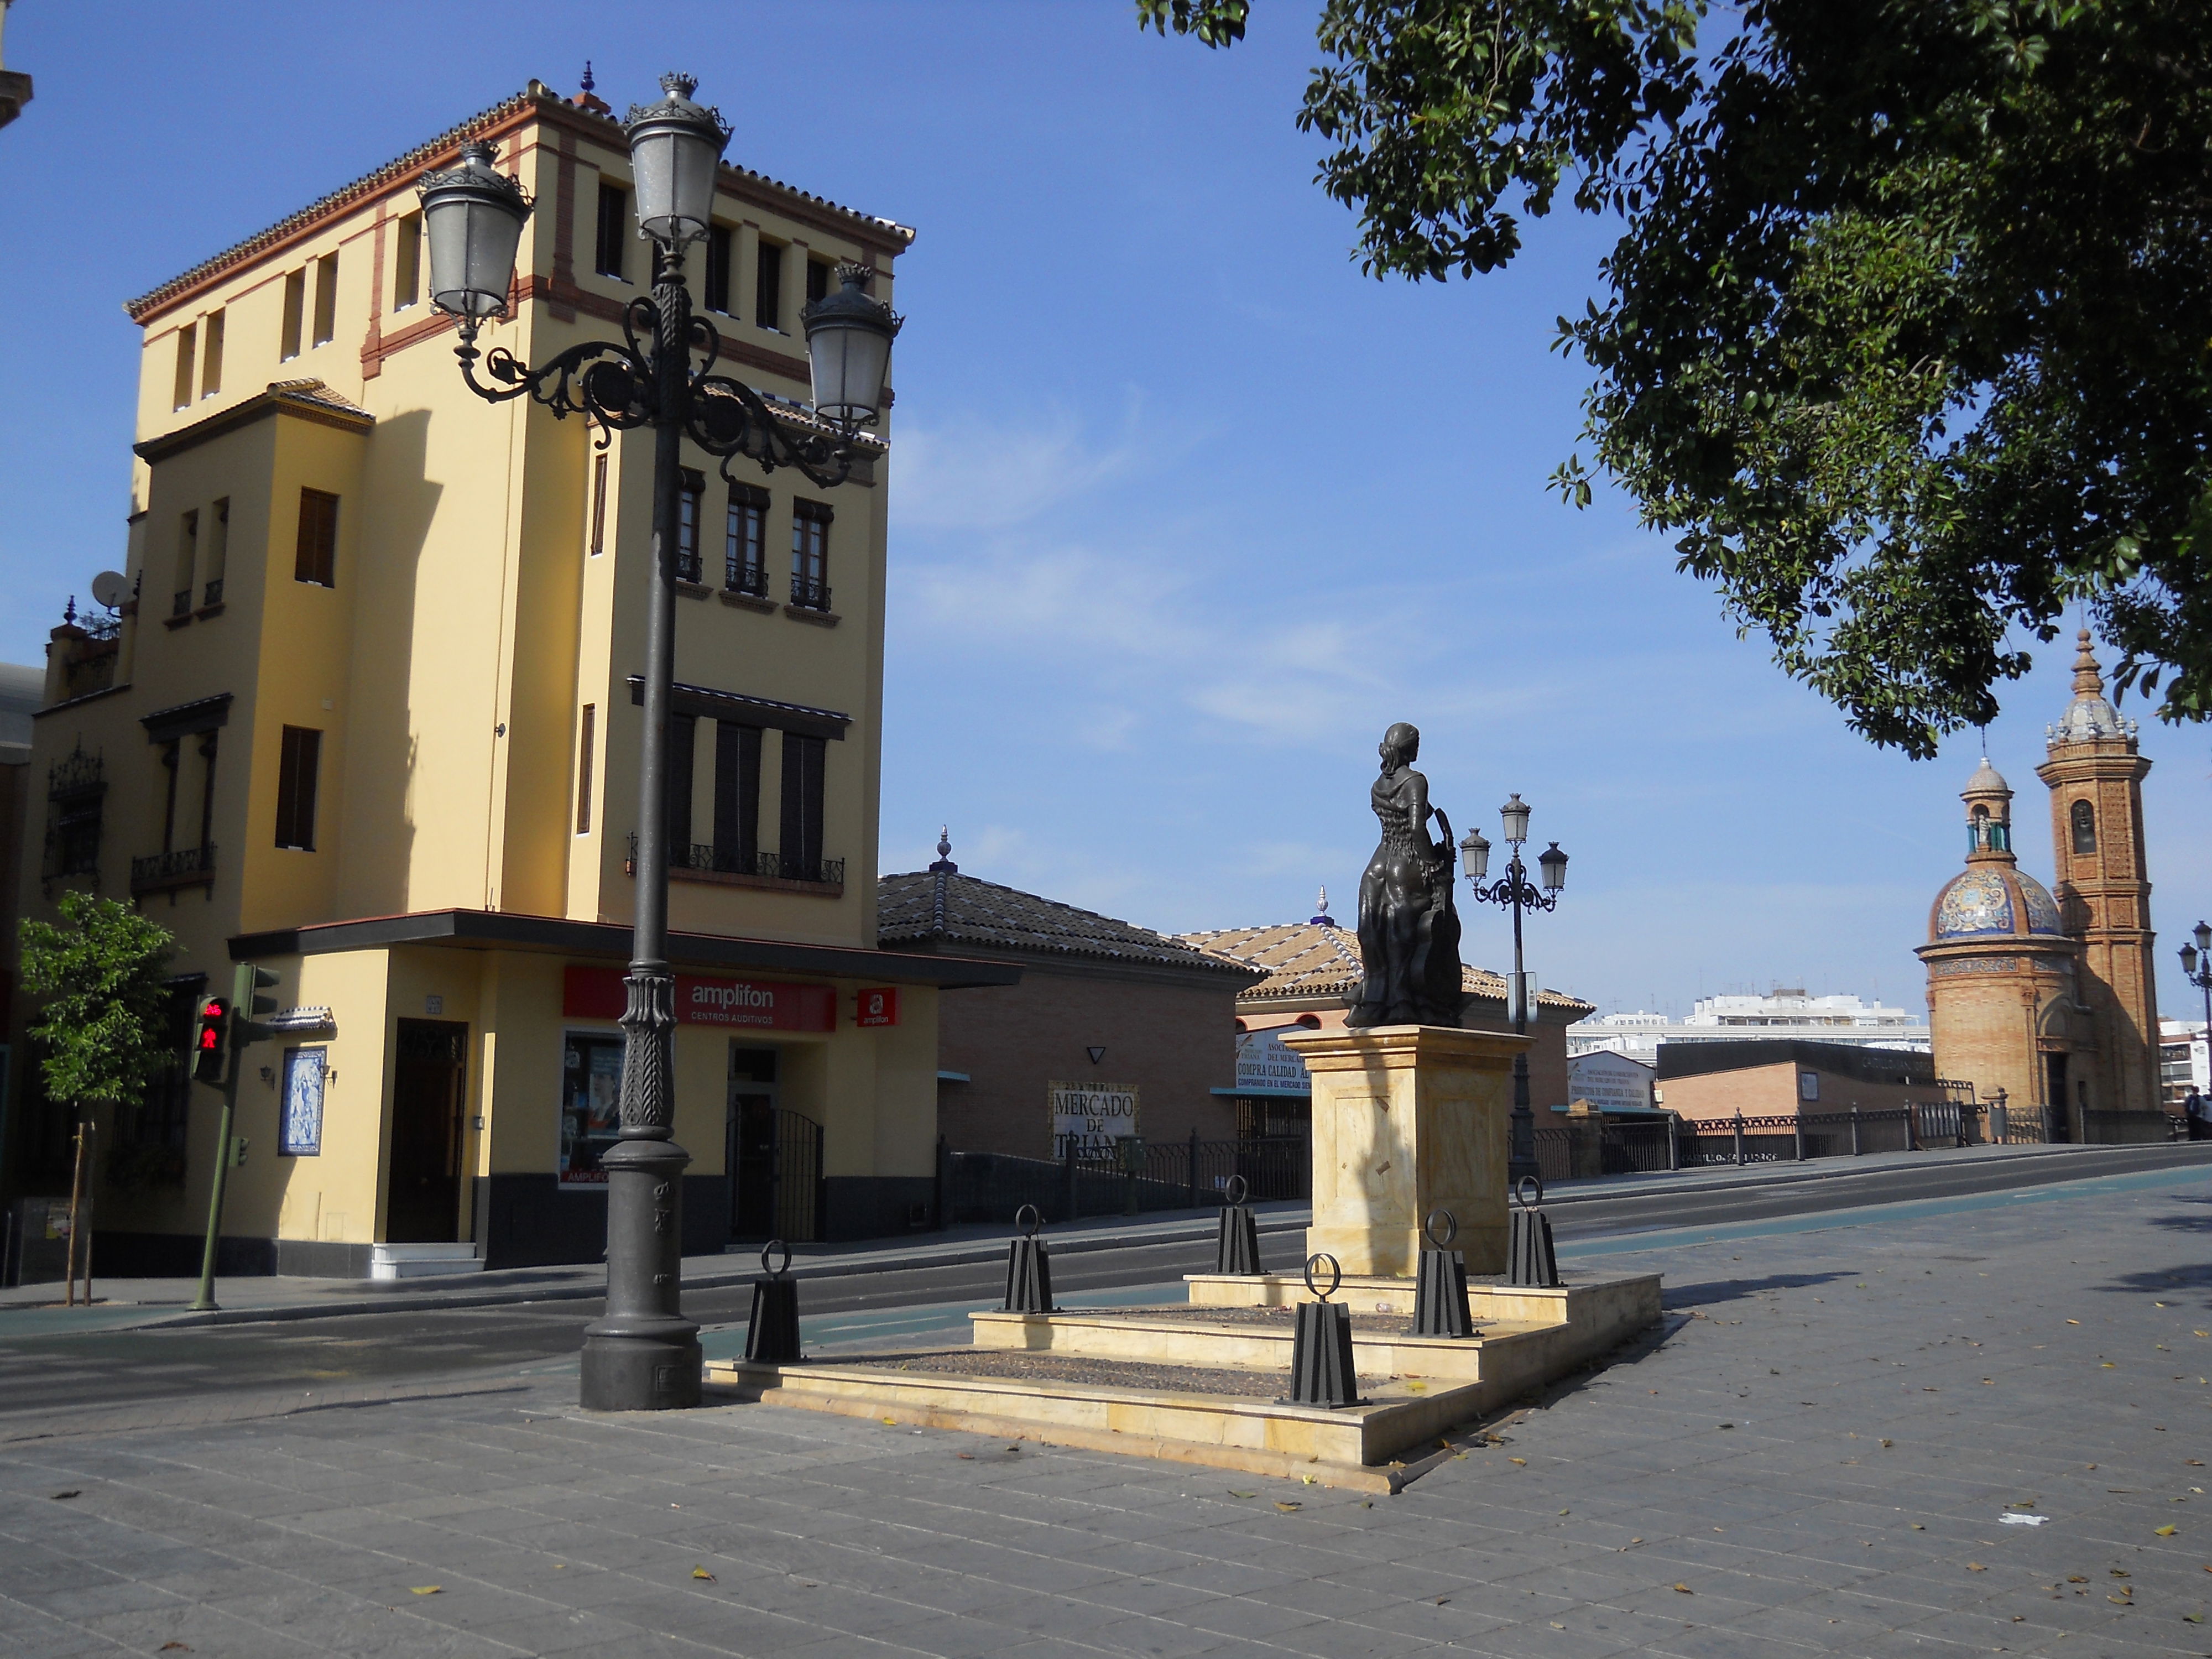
[(415, 161), (1307, 959), (941, 903)]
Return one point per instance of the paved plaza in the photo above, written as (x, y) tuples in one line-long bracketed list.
[(1967, 1425)]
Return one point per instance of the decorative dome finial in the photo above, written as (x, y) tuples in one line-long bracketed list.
[(1320, 918), (2088, 678), (944, 866), (587, 83)]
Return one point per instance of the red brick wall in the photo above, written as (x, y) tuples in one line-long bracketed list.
[(1174, 1041), (1771, 1091)]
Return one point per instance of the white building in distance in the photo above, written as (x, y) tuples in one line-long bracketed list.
[(1786, 1012)]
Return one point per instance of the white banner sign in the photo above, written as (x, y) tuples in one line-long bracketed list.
[(1097, 1115), (1264, 1061)]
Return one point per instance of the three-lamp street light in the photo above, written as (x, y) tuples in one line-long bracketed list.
[(642, 1354), (1515, 891), (2196, 969)]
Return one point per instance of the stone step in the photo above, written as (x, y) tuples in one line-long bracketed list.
[(422, 1261)]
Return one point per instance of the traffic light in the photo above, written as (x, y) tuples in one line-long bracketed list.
[(246, 982), (207, 1036)]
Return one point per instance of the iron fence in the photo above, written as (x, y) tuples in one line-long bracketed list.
[(1126, 1178), (1636, 1148), (2018, 1126)]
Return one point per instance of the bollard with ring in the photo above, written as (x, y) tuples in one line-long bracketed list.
[(1029, 1267), (1238, 1249), (772, 1338), (1321, 1370), (1529, 1258), (1440, 1288)]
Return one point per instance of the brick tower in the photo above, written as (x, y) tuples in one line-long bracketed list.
[(2095, 777)]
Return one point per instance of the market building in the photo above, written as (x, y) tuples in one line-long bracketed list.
[(369, 718)]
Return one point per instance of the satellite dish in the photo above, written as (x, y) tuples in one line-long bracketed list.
[(111, 588)]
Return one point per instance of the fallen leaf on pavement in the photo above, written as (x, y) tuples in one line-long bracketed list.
[(1917, 1527), (1233, 1492), (74, 1492), (2075, 1579), (1287, 1508), (1522, 1462), (2166, 1531), (1686, 1589), (425, 1590), (1889, 1443), (2072, 1322), (701, 1572), (1976, 1566), (173, 1647), (2194, 1618)]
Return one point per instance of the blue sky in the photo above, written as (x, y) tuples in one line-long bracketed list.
[(1185, 509)]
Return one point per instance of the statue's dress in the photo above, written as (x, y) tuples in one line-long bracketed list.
[(1397, 900)]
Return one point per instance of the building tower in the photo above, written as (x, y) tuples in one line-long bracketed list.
[(2002, 972), (2095, 776)]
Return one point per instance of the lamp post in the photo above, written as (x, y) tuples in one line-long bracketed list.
[(2196, 969), (642, 1354), (1515, 891)]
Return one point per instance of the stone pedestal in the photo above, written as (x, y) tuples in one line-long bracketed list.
[(1406, 1118)]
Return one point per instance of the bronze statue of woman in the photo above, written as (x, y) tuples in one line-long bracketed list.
[(1408, 928)]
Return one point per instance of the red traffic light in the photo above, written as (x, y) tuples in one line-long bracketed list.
[(207, 1041)]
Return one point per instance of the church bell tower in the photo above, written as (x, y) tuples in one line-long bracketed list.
[(2095, 776)]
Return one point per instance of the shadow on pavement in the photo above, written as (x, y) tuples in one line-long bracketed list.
[(1735, 1290)]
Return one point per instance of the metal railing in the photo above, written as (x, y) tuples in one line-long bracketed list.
[(212, 594), (706, 858), (751, 579), (187, 866), (809, 594)]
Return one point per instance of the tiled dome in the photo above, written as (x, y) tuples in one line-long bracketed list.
[(1993, 900)]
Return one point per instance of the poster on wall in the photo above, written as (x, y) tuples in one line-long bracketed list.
[(591, 1091), (1093, 1118), (300, 1135), (1264, 1061)]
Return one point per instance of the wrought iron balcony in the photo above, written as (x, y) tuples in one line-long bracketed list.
[(751, 579), (687, 565), (185, 866), (808, 594), (700, 858), (212, 594), (182, 604)]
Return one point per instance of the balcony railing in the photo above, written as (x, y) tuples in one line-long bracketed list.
[(703, 858), (749, 579), (808, 594), (212, 595), (687, 566), (187, 866), (182, 604)]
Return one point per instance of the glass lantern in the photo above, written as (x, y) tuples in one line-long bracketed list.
[(473, 216), (675, 149)]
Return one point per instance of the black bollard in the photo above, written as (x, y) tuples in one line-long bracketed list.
[(1440, 1288), (1237, 1250), (1028, 1268), (1529, 1258), (1321, 1372), (772, 1339)]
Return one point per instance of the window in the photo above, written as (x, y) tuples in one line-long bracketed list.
[(187, 344), (295, 310), (810, 555), (218, 552), (598, 503), (587, 733), (1808, 1085), (691, 507), (746, 541), (327, 299), (768, 286), (407, 262), (682, 749), (317, 559), (77, 784), (717, 293), (188, 550), (817, 280), (296, 767), (800, 854), (2085, 827), (211, 357), (737, 796), (614, 220), (591, 1114)]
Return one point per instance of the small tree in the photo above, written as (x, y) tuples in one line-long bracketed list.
[(103, 1032)]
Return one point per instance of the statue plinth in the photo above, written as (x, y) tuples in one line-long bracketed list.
[(1407, 1118)]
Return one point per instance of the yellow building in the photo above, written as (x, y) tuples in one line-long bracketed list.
[(2052, 998), (370, 720)]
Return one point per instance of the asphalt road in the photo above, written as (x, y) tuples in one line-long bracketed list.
[(42, 1374)]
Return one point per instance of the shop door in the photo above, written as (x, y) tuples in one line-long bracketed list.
[(2055, 1092), (775, 1157), (423, 1198)]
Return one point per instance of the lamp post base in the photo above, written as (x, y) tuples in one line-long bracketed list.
[(643, 1355)]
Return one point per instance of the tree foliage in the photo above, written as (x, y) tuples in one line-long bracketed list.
[(103, 1030), (1907, 340)]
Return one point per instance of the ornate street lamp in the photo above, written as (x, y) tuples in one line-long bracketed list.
[(643, 1354), (1515, 891), (2196, 969)]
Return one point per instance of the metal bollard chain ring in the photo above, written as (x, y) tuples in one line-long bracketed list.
[(1521, 1191), (1237, 1190), (774, 1244), (1450, 1227), (1335, 1274), (1035, 1220)]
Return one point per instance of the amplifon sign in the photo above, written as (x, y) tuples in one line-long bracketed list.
[(756, 1004)]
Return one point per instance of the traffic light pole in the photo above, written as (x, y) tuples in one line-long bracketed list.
[(204, 1302)]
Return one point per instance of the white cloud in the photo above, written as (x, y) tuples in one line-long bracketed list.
[(980, 475)]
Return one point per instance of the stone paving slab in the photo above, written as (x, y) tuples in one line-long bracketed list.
[(1795, 1531)]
